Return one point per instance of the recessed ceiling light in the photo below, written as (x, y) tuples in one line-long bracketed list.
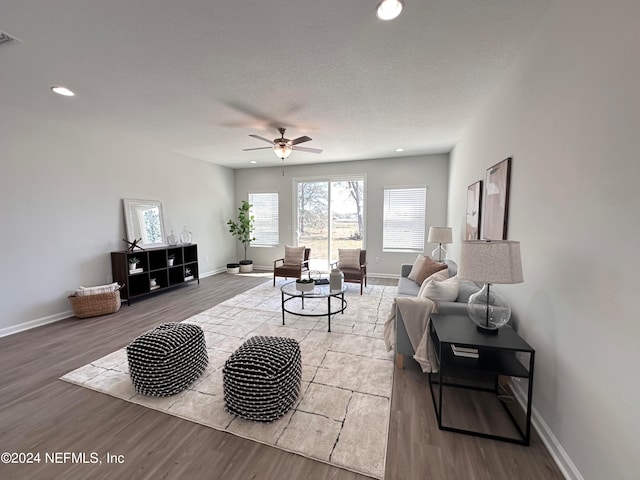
[(389, 9), (399, 149), (253, 161), (62, 91)]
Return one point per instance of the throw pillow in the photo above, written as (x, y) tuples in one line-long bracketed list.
[(439, 276), (442, 290), (429, 267), (293, 255), (349, 258), (417, 265)]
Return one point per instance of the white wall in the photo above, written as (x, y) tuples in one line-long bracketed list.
[(61, 190), (429, 170), (568, 111)]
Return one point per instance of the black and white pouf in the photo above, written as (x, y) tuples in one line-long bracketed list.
[(262, 378), (166, 360)]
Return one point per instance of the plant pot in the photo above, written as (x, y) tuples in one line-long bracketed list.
[(132, 266), (170, 261), (233, 268), (305, 287), (246, 266)]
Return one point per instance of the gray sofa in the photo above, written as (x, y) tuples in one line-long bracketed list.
[(409, 288)]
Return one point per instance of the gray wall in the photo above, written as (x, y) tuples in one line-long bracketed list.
[(568, 112), (428, 170), (61, 191)]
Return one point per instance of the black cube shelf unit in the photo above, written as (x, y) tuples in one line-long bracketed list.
[(154, 265)]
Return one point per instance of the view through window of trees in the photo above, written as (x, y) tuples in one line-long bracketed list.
[(330, 216)]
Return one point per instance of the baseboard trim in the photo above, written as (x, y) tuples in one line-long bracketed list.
[(559, 455), (38, 322)]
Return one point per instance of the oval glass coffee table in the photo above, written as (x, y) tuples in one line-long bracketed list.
[(290, 293)]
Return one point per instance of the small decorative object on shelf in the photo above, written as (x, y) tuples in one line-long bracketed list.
[(133, 263), (187, 274), (172, 239), (171, 259), (153, 284), (133, 244), (185, 236)]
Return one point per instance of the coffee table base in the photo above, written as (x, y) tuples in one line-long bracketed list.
[(339, 296)]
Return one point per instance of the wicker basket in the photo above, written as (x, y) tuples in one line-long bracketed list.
[(94, 305)]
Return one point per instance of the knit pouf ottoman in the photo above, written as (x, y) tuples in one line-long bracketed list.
[(262, 378), (166, 360)]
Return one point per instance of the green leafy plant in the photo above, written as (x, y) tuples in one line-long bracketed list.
[(243, 228), (134, 260)]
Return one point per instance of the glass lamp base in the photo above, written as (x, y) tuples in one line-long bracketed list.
[(488, 310), (439, 254)]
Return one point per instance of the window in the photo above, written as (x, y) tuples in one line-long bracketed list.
[(265, 211), (404, 219)]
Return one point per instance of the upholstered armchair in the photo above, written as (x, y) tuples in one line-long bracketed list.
[(294, 263), (352, 262)]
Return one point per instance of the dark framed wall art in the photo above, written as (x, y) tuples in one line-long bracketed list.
[(496, 201), (474, 204)]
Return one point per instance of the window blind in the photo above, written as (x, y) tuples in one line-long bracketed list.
[(404, 219), (265, 212)]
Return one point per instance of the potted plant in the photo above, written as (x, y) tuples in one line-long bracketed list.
[(305, 284), (171, 259), (243, 229), (133, 263)]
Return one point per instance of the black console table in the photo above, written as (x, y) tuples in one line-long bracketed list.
[(504, 354)]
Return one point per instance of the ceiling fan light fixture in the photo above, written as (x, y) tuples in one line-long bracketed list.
[(282, 151), (389, 9)]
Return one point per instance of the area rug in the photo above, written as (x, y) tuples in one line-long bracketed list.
[(342, 414)]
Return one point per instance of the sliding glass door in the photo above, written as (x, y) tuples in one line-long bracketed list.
[(329, 216)]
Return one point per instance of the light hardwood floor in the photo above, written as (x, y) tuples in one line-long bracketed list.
[(40, 413)]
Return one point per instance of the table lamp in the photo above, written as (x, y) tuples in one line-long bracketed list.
[(490, 262), (439, 235)]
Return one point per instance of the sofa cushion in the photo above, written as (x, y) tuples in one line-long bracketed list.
[(429, 267), (415, 269), (437, 276), (407, 288), (465, 290), (442, 290)]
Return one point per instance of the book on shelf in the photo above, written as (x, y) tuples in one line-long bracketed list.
[(190, 277), (135, 270), (155, 287), (464, 351)]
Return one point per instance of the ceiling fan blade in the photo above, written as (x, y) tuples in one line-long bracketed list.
[(262, 138), (298, 140), (259, 148), (307, 149)]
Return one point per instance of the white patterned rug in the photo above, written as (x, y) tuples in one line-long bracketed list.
[(342, 414)]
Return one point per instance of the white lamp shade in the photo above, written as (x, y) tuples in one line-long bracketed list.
[(440, 235), (493, 261)]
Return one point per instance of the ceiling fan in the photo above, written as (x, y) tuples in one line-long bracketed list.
[(282, 147)]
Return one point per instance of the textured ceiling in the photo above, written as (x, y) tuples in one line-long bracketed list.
[(196, 77)]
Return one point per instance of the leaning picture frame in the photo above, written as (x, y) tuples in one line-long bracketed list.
[(474, 214), (496, 201)]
